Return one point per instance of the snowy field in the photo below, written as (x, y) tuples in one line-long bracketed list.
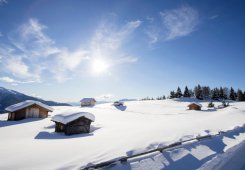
[(117, 132)]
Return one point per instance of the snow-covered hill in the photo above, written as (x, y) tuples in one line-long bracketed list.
[(136, 127)]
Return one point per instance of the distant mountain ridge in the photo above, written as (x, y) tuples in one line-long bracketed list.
[(9, 97)]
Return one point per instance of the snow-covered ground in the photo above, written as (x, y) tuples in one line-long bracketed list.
[(136, 127)]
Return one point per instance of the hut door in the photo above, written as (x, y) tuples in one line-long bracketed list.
[(35, 112), (32, 112)]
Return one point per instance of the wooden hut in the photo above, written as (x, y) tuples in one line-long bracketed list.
[(194, 106), (87, 102), (73, 123), (28, 109)]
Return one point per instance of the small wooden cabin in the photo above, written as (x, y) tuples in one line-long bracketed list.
[(194, 106), (73, 123), (87, 102), (28, 109)]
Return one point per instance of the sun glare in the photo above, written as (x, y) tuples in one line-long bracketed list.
[(99, 66)]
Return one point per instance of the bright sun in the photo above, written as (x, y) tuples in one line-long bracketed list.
[(99, 66)]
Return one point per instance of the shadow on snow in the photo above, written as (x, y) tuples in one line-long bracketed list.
[(5, 123), (122, 107), (61, 135)]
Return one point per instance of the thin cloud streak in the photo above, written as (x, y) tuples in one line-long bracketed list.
[(175, 23), (14, 82), (179, 22), (213, 17)]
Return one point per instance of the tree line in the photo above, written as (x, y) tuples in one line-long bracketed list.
[(157, 98), (205, 92)]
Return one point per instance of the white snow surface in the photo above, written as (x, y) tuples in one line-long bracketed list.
[(27, 103), (232, 159), (119, 131), (69, 116)]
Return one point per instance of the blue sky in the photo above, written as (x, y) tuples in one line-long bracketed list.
[(65, 50)]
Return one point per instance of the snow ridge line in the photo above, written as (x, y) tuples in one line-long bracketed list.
[(162, 149)]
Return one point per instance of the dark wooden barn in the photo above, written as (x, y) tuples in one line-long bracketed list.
[(195, 106), (73, 123), (28, 109)]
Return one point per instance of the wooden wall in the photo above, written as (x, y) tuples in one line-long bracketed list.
[(21, 114), (92, 103), (80, 125), (194, 107), (17, 115)]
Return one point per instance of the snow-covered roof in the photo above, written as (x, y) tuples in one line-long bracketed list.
[(87, 100), (27, 103), (195, 103), (69, 116), (117, 103)]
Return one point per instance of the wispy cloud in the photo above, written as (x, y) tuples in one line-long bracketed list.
[(153, 33), (17, 67), (24, 56), (174, 23), (179, 22), (13, 63), (7, 79), (31, 39), (31, 52), (65, 63), (213, 17), (109, 39), (1, 35), (126, 59), (2, 2), (13, 81)]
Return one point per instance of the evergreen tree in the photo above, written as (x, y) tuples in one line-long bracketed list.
[(215, 94), (191, 93), (240, 96), (198, 92), (178, 93), (186, 92), (226, 93), (232, 94), (172, 95), (163, 97), (235, 95), (221, 93), (206, 92)]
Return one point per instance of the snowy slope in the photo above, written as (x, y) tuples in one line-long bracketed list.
[(138, 126)]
